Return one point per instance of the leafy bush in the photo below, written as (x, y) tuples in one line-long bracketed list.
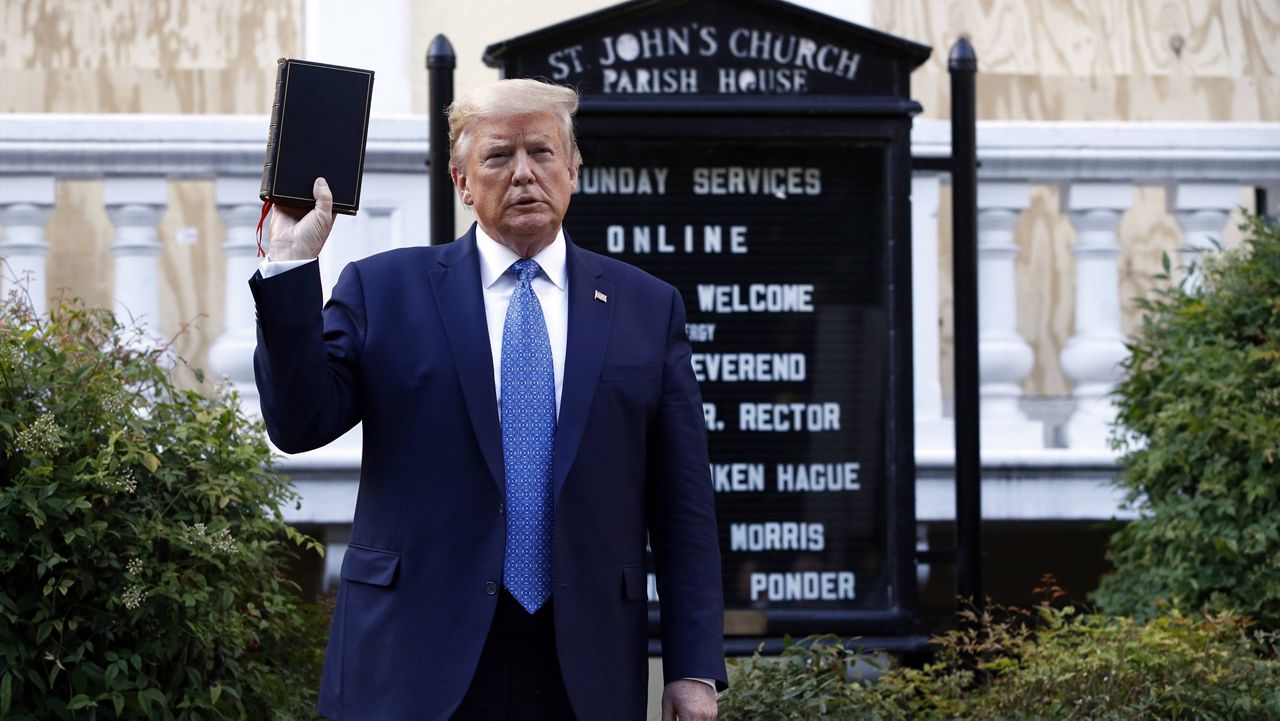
[(141, 543), (1199, 420), (1013, 664)]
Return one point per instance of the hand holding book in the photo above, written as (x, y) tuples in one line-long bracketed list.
[(315, 150), (299, 234)]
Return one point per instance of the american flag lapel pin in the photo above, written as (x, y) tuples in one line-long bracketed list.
[(602, 297)]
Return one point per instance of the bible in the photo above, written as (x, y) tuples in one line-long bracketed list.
[(319, 126)]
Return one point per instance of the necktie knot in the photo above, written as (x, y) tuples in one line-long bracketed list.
[(525, 269)]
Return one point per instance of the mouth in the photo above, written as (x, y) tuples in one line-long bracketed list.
[(526, 202)]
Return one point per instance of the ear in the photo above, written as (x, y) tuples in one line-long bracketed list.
[(460, 182), (573, 173)]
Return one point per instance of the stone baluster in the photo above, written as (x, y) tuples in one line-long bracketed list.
[(26, 202), (1201, 210), (232, 353), (135, 206), (933, 431), (1092, 356), (1004, 357)]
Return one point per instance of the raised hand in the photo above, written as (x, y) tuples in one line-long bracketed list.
[(298, 234)]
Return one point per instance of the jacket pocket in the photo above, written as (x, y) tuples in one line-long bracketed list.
[(647, 372), (369, 565), (633, 583)]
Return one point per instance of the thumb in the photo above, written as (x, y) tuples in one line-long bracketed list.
[(324, 196)]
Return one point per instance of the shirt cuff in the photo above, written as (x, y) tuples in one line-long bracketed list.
[(269, 267), (707, 681)]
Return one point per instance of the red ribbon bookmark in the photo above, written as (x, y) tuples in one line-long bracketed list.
[(266, 207)]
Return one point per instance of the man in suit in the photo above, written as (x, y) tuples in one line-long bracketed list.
[(531, 419)]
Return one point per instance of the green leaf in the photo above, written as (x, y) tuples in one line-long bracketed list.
[(214, 693), (6, 694), (80, 701)]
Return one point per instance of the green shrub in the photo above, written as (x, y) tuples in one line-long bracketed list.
[(1199, 422), (141, 543), (1048, 664)]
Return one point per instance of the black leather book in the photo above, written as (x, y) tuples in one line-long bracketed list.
[(319, 125)]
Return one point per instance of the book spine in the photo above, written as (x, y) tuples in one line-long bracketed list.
[(273, 132)]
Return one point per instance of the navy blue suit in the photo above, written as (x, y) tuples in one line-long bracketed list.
[(403, 346)]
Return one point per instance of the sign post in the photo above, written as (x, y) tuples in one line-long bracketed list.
[(756, 155)]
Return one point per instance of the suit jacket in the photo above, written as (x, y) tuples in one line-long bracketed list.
[(402, 345)]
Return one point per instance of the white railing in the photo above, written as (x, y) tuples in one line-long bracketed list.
[(1095, 165)]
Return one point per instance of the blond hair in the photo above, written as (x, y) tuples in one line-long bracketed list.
[(506, 98)]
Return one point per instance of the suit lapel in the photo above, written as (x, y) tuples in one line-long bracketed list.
[(589, 323), (456, 286)]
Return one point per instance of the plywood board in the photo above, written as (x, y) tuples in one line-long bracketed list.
[(187, 56)]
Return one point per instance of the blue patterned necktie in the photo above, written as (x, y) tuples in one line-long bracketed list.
[(528, 429)]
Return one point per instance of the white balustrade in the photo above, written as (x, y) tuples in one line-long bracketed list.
[(1204, 166), (1004, 358), (232, 353), (1092, 356), (1201, 210), (26, 202), (934, 432), (135, 206)]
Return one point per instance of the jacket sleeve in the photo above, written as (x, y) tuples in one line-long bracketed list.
[(682, 522), (307, 360)]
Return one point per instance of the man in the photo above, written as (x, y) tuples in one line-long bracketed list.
[(530, 416)]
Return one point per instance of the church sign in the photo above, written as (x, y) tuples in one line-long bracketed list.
[(756, 155)]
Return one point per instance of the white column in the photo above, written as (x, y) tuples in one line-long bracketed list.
[(26, 202), (348, 33), (1004, 358), (933, 431), (135, 206), (1201, 210), (1091, 358), (336, 538), (232, 353)]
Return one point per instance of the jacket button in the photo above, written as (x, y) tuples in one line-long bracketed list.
[(502, 509), (491, 588)]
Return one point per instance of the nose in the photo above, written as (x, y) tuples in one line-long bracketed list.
[(522, 171)]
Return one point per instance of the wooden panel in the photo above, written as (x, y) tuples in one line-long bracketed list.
[(189, 56), (1143, 60), (1044, 279), (192, 273), (80, 234)]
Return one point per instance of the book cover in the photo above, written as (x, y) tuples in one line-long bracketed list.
[(319, 128)]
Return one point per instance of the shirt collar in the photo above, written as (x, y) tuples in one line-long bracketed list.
[(496, 258)]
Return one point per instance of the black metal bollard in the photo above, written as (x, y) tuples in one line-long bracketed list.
[(441, 61), (963, 66)]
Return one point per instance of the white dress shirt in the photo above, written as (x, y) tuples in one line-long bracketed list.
[(551, 286)]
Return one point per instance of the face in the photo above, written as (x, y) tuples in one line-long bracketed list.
[(518, 177)]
